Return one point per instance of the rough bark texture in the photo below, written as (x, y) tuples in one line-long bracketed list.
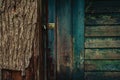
[(18, 20)]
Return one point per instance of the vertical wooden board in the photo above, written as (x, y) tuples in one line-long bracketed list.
[(40, 72), (51, 55), (51, 40), (16, 75), (6, 75), (78, 38), (51, 11), (64, 43)]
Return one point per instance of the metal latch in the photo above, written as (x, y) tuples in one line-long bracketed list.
[(51, 25)]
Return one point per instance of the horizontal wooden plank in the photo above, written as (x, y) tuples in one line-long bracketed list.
[(92, 19), (107, 6), (102, 43), (102, 31), (102, 75), (102, 65), (102, 53)]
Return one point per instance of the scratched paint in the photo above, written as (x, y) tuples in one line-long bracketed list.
[(102, 40), (70, 39), (78, 38), (64, 43)]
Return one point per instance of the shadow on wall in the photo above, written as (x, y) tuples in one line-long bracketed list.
[(66, 73), (102, 76)]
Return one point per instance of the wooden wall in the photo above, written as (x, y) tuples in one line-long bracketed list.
[(79, 46), (102, 40)]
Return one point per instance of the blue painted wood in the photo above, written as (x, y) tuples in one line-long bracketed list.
[(51, 11), (78, 38), (51, 41)]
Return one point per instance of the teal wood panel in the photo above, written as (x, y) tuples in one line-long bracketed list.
[(78, 39), (51, 41), (102, 53), (102, 65), (64, 40), (100, 42), (51, 11), (95, 31), (102, 19)]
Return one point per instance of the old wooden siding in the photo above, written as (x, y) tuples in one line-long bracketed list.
[(102, 75), (102, 40), (102, 31), (102, 53)]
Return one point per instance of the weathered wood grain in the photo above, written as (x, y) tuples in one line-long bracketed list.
[(102, 75), (102, 40), (102, 43), (102, 53), (18, 23), (78, 38), (64, 40), (102, 65), (102, 31), (16, 18), (94, 6), (102, 19)]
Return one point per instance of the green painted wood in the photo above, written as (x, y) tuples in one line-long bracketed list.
[(78, 38), (102, 53), (102, 40), (104, 19), (64, 40), (102, 75), (91, 31), (102, 43), (102, 65)]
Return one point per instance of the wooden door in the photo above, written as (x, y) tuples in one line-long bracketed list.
[(66, 39)]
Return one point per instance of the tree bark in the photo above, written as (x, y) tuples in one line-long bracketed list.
[(18, 20), (20, 39)]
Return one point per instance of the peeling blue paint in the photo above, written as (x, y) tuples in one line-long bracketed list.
[(78, 36)]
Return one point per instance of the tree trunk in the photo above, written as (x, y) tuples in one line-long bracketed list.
[(20, 39)]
